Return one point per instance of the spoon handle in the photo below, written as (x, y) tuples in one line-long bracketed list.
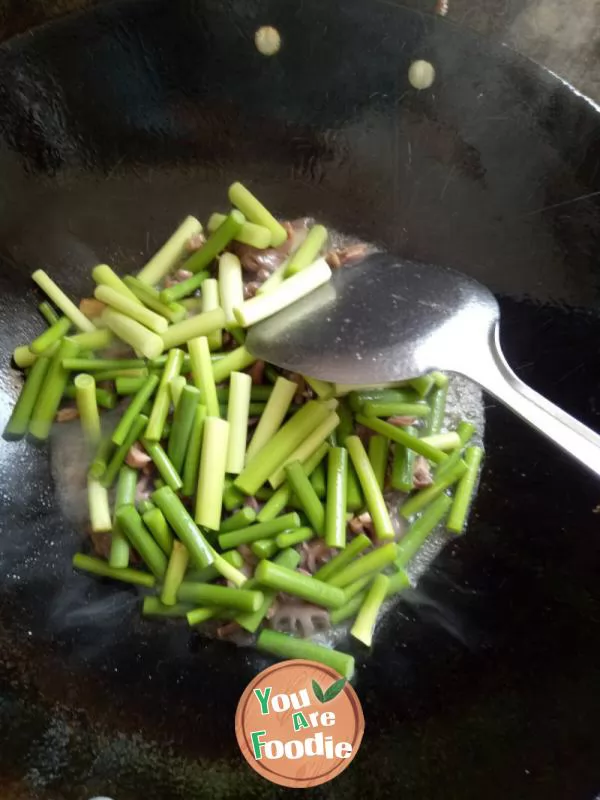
[(576, 439)]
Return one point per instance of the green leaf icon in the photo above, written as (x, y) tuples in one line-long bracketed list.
[(334, 690), (331, 693), (318, 692)]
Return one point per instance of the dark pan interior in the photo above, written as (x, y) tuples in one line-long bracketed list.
[(113, 125)]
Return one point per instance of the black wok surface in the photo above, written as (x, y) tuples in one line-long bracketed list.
[(486, 681)]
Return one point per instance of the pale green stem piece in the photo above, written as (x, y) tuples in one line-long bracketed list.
[(211, 301), (443, 441), (137, 336), (199, 325), (167, 258), (308, 251), (61, 301), (87, 405), (103, 275), (211, 481), (131, 308), (254, 210), (255, 235), (203, 374), (292, 289), (311, 444), (231, 285), (367, 616), (235, 361), (162, 401), (99, 507), (281, 446), (272, 417), (237, 415)]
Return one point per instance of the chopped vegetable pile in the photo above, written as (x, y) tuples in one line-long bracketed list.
[(230, 490)]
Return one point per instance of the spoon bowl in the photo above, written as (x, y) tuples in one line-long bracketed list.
[(385, 320), (379, 321)]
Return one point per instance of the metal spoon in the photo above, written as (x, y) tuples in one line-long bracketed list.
[(386, 320)]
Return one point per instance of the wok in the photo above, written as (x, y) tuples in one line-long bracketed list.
[(114, 124)]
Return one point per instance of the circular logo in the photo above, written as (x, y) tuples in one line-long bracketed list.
[(299, 724)]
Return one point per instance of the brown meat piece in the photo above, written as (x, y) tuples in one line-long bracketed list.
[(196, 241), (250, 560), (362, 524), (250, 288), (301, 391), (66, 414), (227, 630), (144, 488), (255, 260), (364, 434), (401, 422), (340, 256), (137, 457), (333, 259), (180, 276), (422, 476), (232, 632), (252, 502), (257, 372), (355, 525), (101, 543), (91, 307), (314, 554)]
